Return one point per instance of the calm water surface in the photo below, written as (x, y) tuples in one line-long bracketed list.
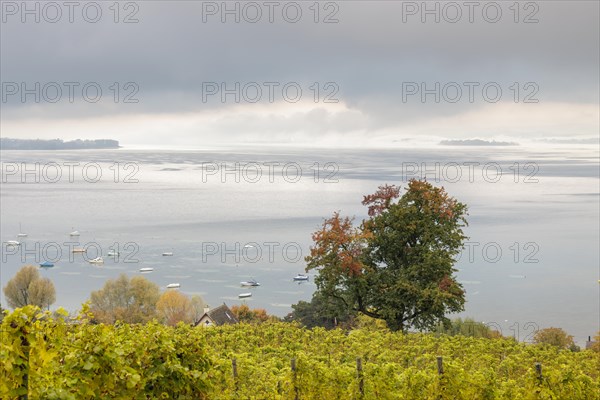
[(229, 215)]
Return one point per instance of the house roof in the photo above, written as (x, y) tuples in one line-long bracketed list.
[(221, 315)]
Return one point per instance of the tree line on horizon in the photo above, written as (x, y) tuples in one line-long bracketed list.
[(57, 144)]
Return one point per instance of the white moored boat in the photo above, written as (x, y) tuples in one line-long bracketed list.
[(251, 282), (146, 270), (173, 285), (78, 250), (74, 233), (301, 277), (167, 253), (13, 243), (97, 260), (244, 295)]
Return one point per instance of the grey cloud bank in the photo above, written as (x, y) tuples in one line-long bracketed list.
[(391, 74)]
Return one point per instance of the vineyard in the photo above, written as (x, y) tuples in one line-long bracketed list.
[(47, 358)]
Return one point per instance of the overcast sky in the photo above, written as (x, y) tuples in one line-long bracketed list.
[(370, 68)]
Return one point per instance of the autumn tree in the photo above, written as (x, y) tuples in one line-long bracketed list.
[(555, 337), (27, 287), (596, 344), (127, 300), (398, 265), (243, 313), (173, 307)]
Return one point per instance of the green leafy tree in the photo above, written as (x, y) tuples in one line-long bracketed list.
[(467, 327), (27, 287), (328, 312), (122, 299), (398, 264)]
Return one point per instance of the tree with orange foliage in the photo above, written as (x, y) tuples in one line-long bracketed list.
[(398, 264), (174, 307), (252, 316)]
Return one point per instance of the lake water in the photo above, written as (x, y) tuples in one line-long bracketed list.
[(232, 214)]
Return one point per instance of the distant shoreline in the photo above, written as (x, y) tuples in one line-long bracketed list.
[(476, 142), (57, 144)]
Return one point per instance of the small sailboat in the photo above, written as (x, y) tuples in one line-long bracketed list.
[(167, 253), (248, 246), (113, 253), (46, 264), (146, 270), (97, 260), (251, 282), (74, 233), (301, 277), (244, 295), (173, 285), (21, 234), (13, 243)]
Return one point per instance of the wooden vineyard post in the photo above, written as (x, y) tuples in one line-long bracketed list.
[(440, 365), (293, 365), (440, 369), (235, 374), (359, 375)]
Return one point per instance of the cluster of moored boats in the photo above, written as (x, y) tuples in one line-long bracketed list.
[(249, 284), (254, 283), (112, 253), (77, 250)]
